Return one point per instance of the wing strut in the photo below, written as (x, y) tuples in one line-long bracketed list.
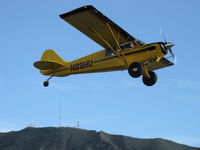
[(107, 43), (126, 61)]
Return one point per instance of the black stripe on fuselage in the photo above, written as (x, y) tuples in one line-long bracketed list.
[(142, 50)]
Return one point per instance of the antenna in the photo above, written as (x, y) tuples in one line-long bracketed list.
[(78, 123), (59, 114)]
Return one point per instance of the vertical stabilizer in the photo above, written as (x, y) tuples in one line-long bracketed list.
[(49, 60)]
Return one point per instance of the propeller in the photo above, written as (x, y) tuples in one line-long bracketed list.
[(168, 45)]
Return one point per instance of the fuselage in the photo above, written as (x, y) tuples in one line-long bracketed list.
[(104, 60)]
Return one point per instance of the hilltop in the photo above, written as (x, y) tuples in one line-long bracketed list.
[(65, 138)]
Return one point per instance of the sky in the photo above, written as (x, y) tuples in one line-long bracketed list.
[(112, 102)]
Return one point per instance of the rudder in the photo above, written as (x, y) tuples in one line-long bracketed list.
[(50, 55)]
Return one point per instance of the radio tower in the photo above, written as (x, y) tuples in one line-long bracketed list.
[(59, 115), (78, 123)]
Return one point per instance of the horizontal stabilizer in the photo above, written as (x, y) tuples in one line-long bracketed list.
[(46, 65)]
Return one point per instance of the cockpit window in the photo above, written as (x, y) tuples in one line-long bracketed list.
[(127, 45), (123, 47)]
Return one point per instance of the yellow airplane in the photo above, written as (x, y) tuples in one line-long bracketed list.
[(121, 50)]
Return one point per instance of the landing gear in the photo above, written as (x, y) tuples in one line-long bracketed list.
[(149, 81), (46, 83), (135, 70)]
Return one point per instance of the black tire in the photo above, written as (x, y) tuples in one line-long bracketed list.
[(135, 70), (150, 81), (46, 83)]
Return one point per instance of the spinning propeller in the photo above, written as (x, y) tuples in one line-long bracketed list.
[(168, 46)]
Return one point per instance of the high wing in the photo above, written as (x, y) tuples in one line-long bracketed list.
[(161, 64), (98, 27)]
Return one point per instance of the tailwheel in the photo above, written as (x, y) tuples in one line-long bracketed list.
[(150, 81), (46, 83), (135, 70)]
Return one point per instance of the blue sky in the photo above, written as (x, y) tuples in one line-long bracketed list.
[(112, 102)]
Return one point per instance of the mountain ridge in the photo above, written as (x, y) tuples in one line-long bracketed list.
[(66, 138)]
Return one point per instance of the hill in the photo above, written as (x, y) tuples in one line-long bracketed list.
[(65, 138)]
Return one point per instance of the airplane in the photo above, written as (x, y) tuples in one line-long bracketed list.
[(121, 50)]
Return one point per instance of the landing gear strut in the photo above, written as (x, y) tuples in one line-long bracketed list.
[(46, 83)]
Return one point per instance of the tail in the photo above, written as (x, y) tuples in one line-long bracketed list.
[(49, 60)]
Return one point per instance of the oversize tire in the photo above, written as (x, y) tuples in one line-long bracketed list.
[(135, 70), (150, 81)]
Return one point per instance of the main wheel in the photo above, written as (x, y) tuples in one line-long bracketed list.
[(150, 81), (135, 70), (46, 83)]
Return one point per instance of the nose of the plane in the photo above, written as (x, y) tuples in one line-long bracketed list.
[(169, 45)]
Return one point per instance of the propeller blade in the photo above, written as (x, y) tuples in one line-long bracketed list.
[(172, 54), (163, 35), (169, 46)]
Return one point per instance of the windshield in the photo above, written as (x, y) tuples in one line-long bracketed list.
[(140, 42)]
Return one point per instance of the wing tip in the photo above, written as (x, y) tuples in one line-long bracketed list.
[(83, 8)]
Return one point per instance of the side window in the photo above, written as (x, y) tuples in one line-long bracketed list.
[(109, 52), (127, 46), (124, 47)]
